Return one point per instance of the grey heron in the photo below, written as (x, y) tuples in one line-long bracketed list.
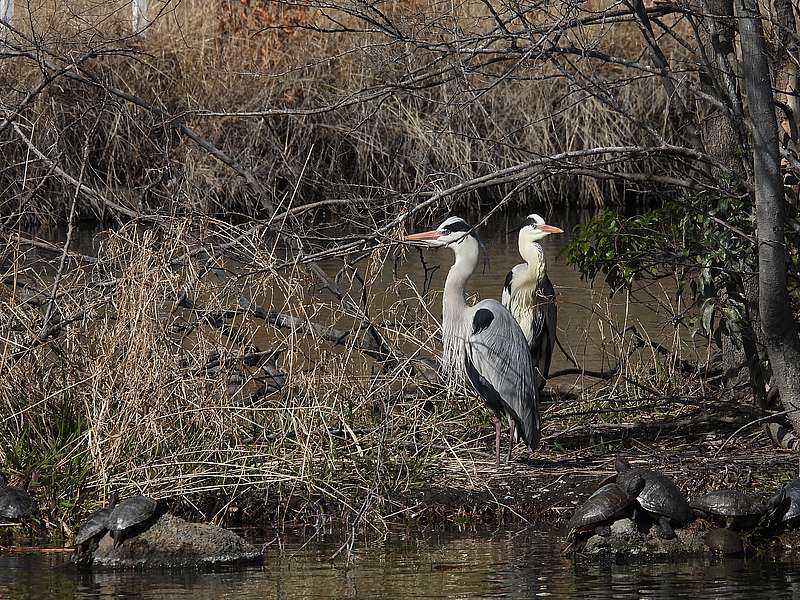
[(484, 342), (530, 297)]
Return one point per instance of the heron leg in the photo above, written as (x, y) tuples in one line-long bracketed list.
[(497, 440), (511, 439)]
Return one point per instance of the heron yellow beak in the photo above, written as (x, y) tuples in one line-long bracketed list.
[(423, 236), (549, 228)]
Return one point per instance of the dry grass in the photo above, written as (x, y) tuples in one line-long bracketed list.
[(188, 355), (170, 367), (383, 136)]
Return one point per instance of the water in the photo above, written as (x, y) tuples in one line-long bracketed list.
[(589, 319), (587, 315), (505, 564)]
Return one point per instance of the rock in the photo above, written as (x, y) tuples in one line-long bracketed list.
[(625, 527), (724, 541), (597, 544), (626, 540), (173, 542)]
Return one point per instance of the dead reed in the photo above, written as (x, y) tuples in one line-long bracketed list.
[(190, 353), (184, 359), (354, 115)]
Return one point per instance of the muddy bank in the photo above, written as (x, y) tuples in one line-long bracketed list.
[(542, 490), (547, 488)]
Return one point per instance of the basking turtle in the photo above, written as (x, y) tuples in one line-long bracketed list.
[(660, 499), (609, 503), (94, 527), (127, 517), (737, 509), (783, 507), (15, 504)]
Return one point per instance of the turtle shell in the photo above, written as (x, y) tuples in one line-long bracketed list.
[(660, 495), (606, 504), (16, 504), (131, 512), (786, 503), (728, 503), (96, 524)]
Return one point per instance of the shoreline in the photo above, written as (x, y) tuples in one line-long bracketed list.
[(473, 492)]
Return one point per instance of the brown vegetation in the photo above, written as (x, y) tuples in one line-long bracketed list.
[(185, 358), (312, 114), (199, 353)]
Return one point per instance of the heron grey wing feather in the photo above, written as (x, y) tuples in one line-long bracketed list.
[(499, 353), (515, 274)]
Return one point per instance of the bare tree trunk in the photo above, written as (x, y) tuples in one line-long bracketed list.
[(721, 129), (725, 136), (6, 11), (139, 15), (788, 75), (778, 324)]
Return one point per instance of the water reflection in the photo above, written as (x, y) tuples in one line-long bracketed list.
[(522, 564)]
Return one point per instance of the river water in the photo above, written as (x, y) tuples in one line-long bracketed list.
[(589, 319), (505, 564)]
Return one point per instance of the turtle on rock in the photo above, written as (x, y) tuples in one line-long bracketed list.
[(15, 504), (660, 499), (92, 530), (735, 508), (783, 507), (607, 504), (130, 516)]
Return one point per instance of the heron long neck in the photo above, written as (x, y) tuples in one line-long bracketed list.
[(533, 253), (454, 307)]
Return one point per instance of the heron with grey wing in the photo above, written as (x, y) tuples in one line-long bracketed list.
[(530, 297), (484, 342)]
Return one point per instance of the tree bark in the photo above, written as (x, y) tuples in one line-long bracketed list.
[(725, 136), (723, 131), (788, 75), (778, 324)]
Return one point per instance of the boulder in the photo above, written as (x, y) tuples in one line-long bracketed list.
[(173, 542), (627, 540)]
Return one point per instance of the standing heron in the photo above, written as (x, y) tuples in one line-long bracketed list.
[(484, 341), (529, 295)]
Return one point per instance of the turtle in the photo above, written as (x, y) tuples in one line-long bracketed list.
[(737, 509), (660, 499), (95, 526), (607, 504), (129, 516), (783, 507), (15, 504), (724, 541)]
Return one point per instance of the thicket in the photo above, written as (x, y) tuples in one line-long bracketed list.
[(315, 114), (238, 333)]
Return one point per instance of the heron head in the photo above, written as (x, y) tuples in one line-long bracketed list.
[(534, 229), (453, 230)]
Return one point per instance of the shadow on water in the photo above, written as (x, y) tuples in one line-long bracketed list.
[(505, 564)]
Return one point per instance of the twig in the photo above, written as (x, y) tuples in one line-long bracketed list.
[(65, 250)]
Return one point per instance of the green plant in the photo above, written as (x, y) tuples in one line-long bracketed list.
[(704, 242)]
